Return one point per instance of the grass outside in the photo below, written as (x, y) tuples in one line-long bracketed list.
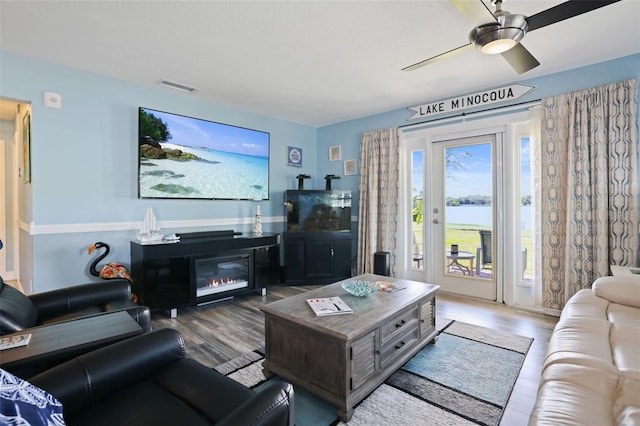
[(468, 239)]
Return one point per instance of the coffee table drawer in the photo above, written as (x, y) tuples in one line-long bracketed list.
[(399, 344), (398, 324)]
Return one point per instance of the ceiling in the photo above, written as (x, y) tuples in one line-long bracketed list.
[(309, 62)]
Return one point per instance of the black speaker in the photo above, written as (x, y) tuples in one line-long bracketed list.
[(381, 263)]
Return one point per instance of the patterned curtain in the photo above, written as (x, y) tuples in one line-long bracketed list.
[(378, 205), (589, 187)]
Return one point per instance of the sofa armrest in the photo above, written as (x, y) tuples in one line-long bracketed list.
[(141, 315), (94, 376), (65, 300), (271, 406), (222, 400), (624, 290)]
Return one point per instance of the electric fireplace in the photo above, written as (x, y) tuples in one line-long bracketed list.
[(220, 275), (204, 267)]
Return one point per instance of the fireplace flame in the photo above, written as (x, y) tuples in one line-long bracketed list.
[(221, 282)]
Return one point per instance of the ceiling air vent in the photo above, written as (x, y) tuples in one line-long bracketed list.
[(177, 86)]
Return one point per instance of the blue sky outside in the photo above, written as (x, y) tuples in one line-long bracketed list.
[(193, 132), (472, 173)]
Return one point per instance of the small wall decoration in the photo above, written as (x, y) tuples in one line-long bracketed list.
[(294, 156), (26, 146), (350, 167), (335, 153)]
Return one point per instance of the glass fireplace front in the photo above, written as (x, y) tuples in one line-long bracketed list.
[(221, 274)]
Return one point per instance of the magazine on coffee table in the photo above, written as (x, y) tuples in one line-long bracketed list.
[(329, 306), (14, 341)]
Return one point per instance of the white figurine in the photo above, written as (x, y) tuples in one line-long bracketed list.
[(257, 226)]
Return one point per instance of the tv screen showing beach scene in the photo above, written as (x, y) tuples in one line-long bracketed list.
[(186, 157)]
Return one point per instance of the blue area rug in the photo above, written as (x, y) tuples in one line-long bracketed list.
[(464, 378)]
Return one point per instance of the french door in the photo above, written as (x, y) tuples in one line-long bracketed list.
[(462, 224), (464, 209)]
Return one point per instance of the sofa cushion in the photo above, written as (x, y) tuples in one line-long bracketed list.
[(623, 290), (17, 312), (145, 403), (583, 341), (625, 348), (567, 390), (622, 314)]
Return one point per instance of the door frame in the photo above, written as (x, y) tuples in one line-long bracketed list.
[(3, 207)]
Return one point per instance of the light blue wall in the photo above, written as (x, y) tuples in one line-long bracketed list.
[(84, 166)]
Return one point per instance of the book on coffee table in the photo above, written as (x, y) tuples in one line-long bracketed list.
[(329, 306), (14, 341)]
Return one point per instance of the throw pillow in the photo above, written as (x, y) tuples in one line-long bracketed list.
[(22, 403)]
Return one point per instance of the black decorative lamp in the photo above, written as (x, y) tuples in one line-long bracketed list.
[(329, 178), (301, 179)]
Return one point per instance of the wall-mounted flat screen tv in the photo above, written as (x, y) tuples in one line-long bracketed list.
[(186, 157)]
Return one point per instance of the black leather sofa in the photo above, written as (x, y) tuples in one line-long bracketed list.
[(19, 312), (146, 380)]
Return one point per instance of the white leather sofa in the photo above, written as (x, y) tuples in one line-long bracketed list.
[(591, 372)]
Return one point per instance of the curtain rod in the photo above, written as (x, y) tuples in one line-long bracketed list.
[(464, 115)]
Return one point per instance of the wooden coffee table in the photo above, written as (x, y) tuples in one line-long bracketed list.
[(343, 358)]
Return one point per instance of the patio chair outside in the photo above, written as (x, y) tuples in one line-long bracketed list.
[(483, 253)]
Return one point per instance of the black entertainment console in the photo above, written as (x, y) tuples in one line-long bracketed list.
[(203, 267)]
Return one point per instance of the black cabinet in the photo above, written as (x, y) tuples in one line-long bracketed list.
[(317, 241), (202, 269), (317, 258)]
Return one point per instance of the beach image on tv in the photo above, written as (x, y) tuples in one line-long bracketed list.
[(185, 157)]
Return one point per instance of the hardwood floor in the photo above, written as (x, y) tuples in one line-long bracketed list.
[(224, 330)]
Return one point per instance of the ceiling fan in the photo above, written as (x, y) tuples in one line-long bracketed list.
[(503, 34)]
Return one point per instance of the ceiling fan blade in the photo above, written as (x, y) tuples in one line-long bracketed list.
[(437, 57), (563, 11), (476, 10), (520, 59)]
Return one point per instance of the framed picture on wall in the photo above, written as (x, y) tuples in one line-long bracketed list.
[(26, 147), (294, 156), (335, 153), (350, 167)]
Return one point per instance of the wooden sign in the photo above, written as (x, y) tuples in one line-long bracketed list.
[(460, 103)]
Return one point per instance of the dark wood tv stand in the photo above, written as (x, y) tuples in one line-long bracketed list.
[(164, 274)]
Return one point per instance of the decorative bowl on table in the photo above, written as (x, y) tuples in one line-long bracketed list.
[(360, 288)]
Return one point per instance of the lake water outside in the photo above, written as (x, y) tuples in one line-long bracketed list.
[(481, 215)]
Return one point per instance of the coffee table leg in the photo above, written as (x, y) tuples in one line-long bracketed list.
[(267, 374), (344, 415)]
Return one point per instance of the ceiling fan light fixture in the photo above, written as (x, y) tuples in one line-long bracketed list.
[(499, 45), (498, 37)]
